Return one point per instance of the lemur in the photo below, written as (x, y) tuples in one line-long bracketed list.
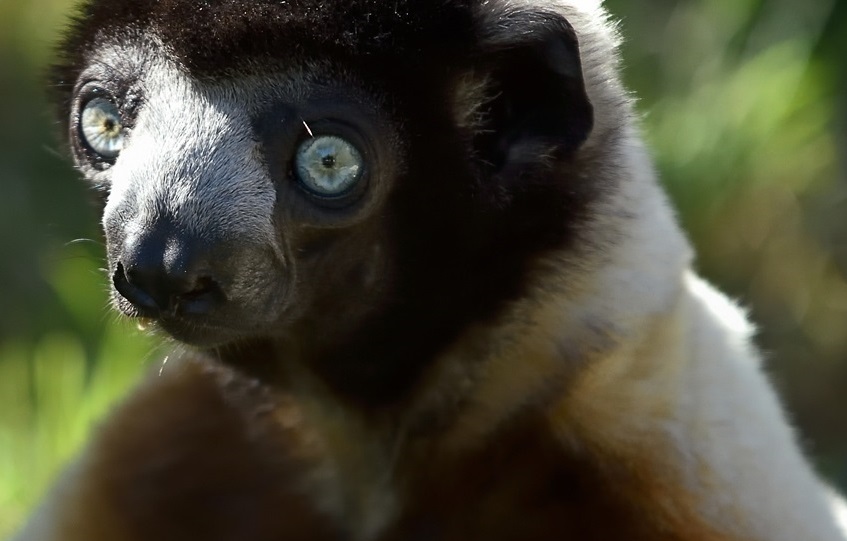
[(427, 281)]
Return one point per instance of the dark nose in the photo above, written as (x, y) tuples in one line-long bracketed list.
[(161, 273)]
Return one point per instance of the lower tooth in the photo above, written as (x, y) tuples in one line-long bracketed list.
[(143, 324)]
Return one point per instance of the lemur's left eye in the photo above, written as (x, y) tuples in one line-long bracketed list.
[(328, 166), (102, 127)]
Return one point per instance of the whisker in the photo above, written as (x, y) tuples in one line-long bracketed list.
[(81, 241)]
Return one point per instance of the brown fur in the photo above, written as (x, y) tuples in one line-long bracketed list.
[(197, 453), (202, 453), (524, 484)]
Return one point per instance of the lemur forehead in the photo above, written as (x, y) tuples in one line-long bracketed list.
[(215, 36), (148, 65)]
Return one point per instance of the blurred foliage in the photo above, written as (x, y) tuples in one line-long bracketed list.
[(745, 106)]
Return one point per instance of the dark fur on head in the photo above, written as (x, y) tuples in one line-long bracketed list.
[(471, 208)]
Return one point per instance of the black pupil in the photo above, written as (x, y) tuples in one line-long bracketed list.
[(109, 124), (328, 161)]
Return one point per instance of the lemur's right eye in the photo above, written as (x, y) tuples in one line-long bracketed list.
[(102, 127)]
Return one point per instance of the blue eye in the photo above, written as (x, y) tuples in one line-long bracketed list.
[(328, 166), (102, 127)]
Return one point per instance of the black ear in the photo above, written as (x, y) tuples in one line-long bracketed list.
[(538, 100)]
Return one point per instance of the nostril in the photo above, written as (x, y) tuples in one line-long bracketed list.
[(201, 298), (147, 283), (204, 285), (131, 292)]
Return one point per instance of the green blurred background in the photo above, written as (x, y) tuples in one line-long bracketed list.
[(745, 106)]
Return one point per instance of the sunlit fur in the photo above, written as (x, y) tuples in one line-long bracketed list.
[(539, 364)]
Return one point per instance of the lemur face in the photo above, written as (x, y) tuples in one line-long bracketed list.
[(371, 188), (234, 205)]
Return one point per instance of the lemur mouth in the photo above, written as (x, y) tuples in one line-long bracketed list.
[(198, 332)]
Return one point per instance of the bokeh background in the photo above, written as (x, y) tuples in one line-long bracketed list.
[(744, 104)]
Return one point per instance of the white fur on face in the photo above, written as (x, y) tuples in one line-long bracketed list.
[(192, 157)]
